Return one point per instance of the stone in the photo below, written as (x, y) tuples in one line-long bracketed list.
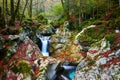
[(117, 53)]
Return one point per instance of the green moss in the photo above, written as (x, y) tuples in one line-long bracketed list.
[(96, 44), (110, 37), (22, 67), (93, 35), (86, 24), (97, 22)]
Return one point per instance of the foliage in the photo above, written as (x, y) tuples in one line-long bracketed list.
[(22, 67), (97, 44), (57, 9), (40, 17), (92, 34), (86, 24), (56, 23), (97, 22), (117, 23), (110, 37)]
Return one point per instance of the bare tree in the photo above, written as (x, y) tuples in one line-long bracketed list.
[(119, 2), (24, 11), (12, 21), (30, 8), (17, 8)]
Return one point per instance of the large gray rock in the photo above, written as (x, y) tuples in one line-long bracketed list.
[(51, 71)]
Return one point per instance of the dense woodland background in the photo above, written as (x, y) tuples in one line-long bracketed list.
[(75, 11)]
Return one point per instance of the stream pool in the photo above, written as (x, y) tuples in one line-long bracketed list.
[(70, 74)]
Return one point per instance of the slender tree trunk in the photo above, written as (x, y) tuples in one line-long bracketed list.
[(64, 9), (63, 4), (3, 12), (93, 13), (119, 2), (3, 7), (37, 8), (67, 10), (17, 8), (6, 5), (0, 12), (81, 10), (30, 8), (108, 4), (0, 8), (23, 11), (12, 21), (6, 12), (80, 14)]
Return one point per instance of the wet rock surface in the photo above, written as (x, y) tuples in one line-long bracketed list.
[(23, 61), (105, 66)]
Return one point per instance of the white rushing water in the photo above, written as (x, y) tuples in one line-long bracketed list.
[(45, 41)]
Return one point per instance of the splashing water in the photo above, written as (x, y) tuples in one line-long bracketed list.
[(45, 40)]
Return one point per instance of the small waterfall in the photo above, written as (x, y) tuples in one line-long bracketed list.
[(45, 41)]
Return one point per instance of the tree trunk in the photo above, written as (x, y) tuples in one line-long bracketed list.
[(6, 12), (12, 21), (63, 7), (6, 5), (0, 12), (67, 10), (37, 8), (80, 15), (17, 8), (3, 12), (119, 2), (3, 7), (23, 11), (93, 13), (62, 4), (30, 8)]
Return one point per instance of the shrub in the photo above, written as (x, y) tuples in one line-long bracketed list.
[(117, 23), (111, 24), (85, 24), (110, 37), (40, 17), (22, 67), (97, 22)]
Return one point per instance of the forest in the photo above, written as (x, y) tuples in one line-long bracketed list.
[(59, 39)]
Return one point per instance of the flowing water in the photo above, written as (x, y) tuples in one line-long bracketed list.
[(45, 41), (69, 71)]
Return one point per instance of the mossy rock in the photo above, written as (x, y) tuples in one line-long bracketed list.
[(93, 34), (40, 17), (22, 67), (97, 44), (110, 37), (27, 22)]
